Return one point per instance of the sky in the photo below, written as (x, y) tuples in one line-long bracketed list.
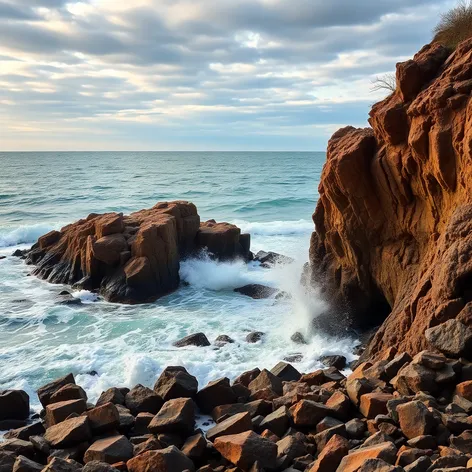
[(197, 74)]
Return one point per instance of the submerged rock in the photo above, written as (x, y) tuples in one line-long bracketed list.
[(254, 337), (256, 291), (269, 259), (134, 258), (197, 339)]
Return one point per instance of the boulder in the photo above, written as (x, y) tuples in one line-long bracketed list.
[(176, 416), (112, 395), (286, 372), (141, 399), (46, 391), (195, 447), (244, 449), (247, 377), (415, 419), (25, 432), (277, 422), (176, 382), (23, 464), (57, 412), (223, 339), (222, 412), (17, 447), (169, 459), (97, 466), (69, 432), (233, 425), (110, 450), (373, 404), (133, 258), (14, 405), (256, 291), (7, 460), (452, 338), (104, 418), (353, 461), (197, 339), (58, 464), (265, 380), (254, 337), (268, 259), (464, 389), (218, 392), (331, 456), (69, 392), (307, 413), (333, 361)]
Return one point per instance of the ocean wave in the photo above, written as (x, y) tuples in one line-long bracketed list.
[(275, 228), (24, 234)]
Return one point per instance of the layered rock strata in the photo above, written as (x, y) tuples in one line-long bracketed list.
[(393, 222), (134, 258)]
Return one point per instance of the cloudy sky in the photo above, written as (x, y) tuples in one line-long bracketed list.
[(197, 74)]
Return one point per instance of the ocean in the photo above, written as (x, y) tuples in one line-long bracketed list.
[(271, 195)]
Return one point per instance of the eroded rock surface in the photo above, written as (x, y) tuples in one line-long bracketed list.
[(134, 258), (394, 218)]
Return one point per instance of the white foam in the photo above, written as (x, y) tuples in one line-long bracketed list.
[(25, 234), (275, 228)]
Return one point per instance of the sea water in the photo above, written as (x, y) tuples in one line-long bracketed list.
[(270, 195)]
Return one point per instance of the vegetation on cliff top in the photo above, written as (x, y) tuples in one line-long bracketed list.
[(455, 25)]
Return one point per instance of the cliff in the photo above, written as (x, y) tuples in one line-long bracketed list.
[(393, 239), (134, 258)]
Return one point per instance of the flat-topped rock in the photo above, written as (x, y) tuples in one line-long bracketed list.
[(133, 258)]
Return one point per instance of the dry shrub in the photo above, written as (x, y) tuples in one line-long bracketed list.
[(455, 25)]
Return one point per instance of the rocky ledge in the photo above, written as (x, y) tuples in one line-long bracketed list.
[(399, 414), (393, 240), (134, 258)]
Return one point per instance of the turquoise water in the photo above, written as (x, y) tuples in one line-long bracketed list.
[(270, 195)]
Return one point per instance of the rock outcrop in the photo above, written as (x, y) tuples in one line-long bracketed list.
[(135, 258), (393, 240)]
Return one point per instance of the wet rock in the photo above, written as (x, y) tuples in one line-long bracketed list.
[(176, 416), (293, 358), (286, 372), (257, 291), (233, 425), (333, 361), (223, 339), (110, 450), (254, 337), (169, 459), (244, 449), (69, 432), (46, 391), (14, 405), (141, 399), (197, 339), (452, 338), (176, 382), (218, 392), (298, 338)]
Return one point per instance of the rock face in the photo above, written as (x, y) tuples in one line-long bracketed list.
[(135, 258), (394, 218)]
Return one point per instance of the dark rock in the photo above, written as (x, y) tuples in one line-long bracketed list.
[(268, 259), (298, 338), (17, 447), (176, 416), (257, 291), (195, 447), (197, 339), (218, 392), (222, 412), (46, 391), (97, 466), (26, 431), (68, 392), (277, 422), (254, 337), (110, 450), (141, 399), (223, 339), (286, 372), (112, 395), (58, 464), (247, 377), (23, 464), (176, 382), (14, 405), (233, 425), (333, 361), (452, 338), (7, 459), (104, 418)]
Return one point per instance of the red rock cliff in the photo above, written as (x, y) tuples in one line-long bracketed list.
[(394, 219)]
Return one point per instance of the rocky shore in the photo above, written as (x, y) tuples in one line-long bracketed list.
[(398, 414)]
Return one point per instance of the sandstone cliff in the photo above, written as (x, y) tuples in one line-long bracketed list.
[(394, 219), (135, 258)]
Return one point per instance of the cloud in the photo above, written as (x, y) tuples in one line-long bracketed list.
[(176, 74)]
